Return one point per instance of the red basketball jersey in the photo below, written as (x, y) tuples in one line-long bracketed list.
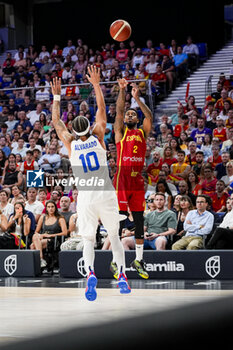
[(131, 153)]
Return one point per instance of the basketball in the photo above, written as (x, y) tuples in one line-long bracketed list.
[(120, 30)]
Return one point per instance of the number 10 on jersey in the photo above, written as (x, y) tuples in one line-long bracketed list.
[(89, 161)]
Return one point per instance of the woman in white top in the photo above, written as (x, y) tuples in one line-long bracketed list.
[(75, 242)]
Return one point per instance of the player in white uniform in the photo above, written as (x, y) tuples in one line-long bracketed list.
[(96, 198)]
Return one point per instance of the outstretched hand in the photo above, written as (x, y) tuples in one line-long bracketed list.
[(122, 83), (135, 90), (56, 86), (94, 74)]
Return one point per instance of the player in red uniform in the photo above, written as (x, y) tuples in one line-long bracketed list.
[(128, 181)]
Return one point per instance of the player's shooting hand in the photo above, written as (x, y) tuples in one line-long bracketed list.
[(122, 83), (135, 91), (93, 75), (56, 86)]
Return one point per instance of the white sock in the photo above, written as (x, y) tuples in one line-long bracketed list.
[(118, 252), (88, 254), (139, 252)]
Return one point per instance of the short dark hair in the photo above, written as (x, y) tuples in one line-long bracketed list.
[(160, 194), (207, 198)]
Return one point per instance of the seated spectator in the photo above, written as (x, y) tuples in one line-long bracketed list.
[(73, 204), (206, 146), (216, 158), (11, 123), (209, 182), (220, 169), (183, 126), (222, 237), (12, 176), (219, 198), (19, 223), (159, 225), (227, 106), (174, 144), (66, 49), (168, 156), (34, 115), (6, 208), (51, 161), (43, 53), (193, 53), (21, 148), (162, 137), (191, 156), (181, 168), (162, 187), (194, 183), (16, 193), (164, 120), (20, 62), (65, 210), (228, 178), (197, 224), (229, 120), (220, 131), (32, 204), (181, 61), (3, 225), (122, 53), (199, 163), (50, 225), (3, 146), (42, 95), (219, 105), (158, 80), (151, 66), (8, 71), (75, 241), (154, 168), (169, 69), (175, 118), (27, 106), (184, 206), (138, 58), (201, 130), (184, 190)]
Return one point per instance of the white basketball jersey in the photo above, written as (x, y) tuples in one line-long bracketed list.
[(89, 164)]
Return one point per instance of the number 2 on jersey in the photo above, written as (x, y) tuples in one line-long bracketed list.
[(135, 149), (86, 162)]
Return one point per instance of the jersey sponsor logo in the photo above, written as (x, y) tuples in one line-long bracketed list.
[(133, 137), (132, 159), (83, 146)]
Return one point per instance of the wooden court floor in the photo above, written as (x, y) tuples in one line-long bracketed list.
[(39, 306)]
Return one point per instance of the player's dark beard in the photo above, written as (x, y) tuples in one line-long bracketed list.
[(131, 125)]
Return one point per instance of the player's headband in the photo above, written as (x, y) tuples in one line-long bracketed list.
[(83, 133)]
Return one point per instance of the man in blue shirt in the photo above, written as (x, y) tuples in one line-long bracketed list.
[(180, 61), (198, 222)]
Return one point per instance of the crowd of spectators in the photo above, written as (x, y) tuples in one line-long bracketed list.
[(189, 153)]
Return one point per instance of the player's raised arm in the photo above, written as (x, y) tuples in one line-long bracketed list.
[(147, 122), (60, 127), (120, 110), (93, 77)]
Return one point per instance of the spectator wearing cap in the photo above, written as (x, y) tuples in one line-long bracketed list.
[(220, 131)]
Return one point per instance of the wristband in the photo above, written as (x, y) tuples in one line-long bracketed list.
[(57, 98)]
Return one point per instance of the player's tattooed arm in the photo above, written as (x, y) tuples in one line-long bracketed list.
[(59, 126), (147, 122), (120, 110)]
